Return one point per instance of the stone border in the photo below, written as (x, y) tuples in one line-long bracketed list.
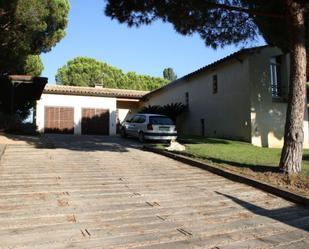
[(286, 194)]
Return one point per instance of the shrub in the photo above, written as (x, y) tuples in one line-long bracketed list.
[(172, 110)]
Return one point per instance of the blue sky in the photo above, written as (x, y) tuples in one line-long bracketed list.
[(145, 50)]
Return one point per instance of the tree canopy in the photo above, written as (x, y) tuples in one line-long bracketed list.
[(33, 65), (84, 71), (274, 30), (29, 27), (218, 22), (169, 74), (216, 26)]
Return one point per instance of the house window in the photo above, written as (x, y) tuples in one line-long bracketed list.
[(187, 99), (214, 84), (275, 77)]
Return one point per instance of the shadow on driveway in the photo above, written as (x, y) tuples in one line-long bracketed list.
[(72, 142), (295, 216), (90, 143)]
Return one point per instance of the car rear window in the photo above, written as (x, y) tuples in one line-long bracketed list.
[(158, 120)]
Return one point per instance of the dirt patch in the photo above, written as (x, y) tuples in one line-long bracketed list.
[(40, 196), (298, 184), (71, 218), (63, 203)]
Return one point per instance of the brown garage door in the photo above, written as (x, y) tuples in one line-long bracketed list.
[(95, 121), (59, 120)]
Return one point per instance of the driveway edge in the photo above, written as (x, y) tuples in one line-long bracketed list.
[(290, 196), (2, 150)]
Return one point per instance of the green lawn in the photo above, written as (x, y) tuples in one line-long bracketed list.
[(240, 154)]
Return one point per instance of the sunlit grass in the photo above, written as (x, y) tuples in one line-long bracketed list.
[(237, 153)]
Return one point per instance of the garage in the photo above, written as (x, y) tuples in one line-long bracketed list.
[(59, 120), (84, 110), (95, 121)]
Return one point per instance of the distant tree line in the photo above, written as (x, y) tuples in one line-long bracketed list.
[(84, 71)]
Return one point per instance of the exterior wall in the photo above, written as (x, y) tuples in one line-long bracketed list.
[(78, 102), (226, 114), (126, 109), (268, 114)]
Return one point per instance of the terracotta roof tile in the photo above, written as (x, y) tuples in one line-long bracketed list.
[(92, 91)]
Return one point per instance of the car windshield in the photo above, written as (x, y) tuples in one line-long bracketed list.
[(159, 120)]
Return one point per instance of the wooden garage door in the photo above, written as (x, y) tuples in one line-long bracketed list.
[(59, 120), (95, 121)]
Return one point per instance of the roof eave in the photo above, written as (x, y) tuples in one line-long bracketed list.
[(111, 95), (208, 67)]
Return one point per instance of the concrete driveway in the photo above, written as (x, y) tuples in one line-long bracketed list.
[(103, 192)]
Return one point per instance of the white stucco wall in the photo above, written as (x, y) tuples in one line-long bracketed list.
[(226, 114), (267, 115), (126, 109), (123, 114), (78, 102), (242, 109)]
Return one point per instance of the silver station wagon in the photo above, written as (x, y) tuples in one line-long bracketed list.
[(149, 127)]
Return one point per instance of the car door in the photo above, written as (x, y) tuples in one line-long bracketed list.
[(132, 126), (140, 125)]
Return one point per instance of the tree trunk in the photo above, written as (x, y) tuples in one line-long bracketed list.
[(291, 155)]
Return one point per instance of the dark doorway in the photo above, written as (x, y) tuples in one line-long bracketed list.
[(95, 121)]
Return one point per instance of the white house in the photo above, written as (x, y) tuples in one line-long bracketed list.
[(84, 110), (242, 96)]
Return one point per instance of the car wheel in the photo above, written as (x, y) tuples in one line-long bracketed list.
[(141, 137), (123, 133)]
